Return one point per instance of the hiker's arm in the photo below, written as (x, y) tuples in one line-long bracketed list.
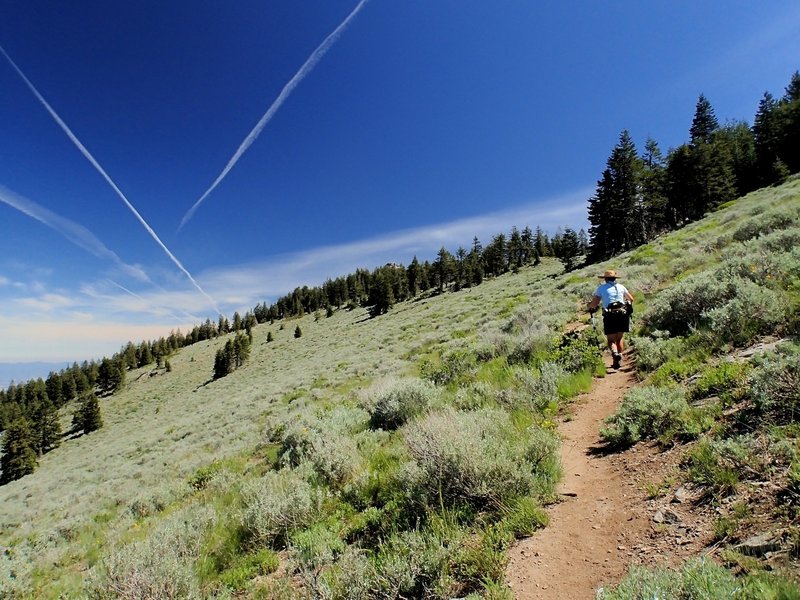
[(592, 306), (628, 296)]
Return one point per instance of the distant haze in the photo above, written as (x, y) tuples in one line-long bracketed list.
[(22, 372)]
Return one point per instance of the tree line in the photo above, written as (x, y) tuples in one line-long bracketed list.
[(380, 288), (642, 195)]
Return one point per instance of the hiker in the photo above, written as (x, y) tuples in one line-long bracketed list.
[(617, 304)]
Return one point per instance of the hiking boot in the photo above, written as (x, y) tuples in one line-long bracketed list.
[(617, 360)]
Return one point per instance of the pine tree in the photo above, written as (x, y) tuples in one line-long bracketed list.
[(541, 244), (444, 268), (528, 250), (270, 337), (766, 138), (381, 295), (18, 455), (616, 212), (111, 376), (788, 125), (223, 360), (569, 249), (654, 189), (298, 332), (515, 250), (704, 122), (46, 426), (55, 389), (87, 416)]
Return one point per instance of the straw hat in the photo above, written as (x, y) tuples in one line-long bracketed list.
[(610, 274)]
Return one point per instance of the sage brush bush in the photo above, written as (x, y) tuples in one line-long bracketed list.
[(161, 566), (767, 222), (754, 311), (539, 390), (323, 441), (414, 564), (395, 402), (652, 352), (724, 380), (454, 363), (645, 413), (479, 457), (277, 504), (680, 308)]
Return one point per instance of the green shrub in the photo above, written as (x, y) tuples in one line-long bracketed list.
[(479, 457), (768, 266), (351, 577), (524, 517), (527, 337), (414, 564), (317, 546), (395, 402), (775, 386), (652, 352), (482, 557), (724, 380), (770, 586), (580, 351), (477, 394), (453, 364), (249, 566), (767, 222), (645, 413), (696, 580), (707, 468), (538, 390), (276, 505)]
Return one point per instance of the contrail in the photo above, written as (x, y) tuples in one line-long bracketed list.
[(169, 312), (75, 233), (310, 63), (105, 175)]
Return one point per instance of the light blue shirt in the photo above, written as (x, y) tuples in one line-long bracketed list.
[(610, 292)]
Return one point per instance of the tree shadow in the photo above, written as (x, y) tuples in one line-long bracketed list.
[(204, 384)]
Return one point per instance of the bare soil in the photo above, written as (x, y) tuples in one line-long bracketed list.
[(616, 509)]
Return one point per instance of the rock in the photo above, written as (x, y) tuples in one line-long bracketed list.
[(666, 516), (681, 495), (760, 544)]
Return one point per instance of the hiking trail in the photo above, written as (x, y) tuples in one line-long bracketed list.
[(603, 522)]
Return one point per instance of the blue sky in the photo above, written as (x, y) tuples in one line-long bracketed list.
[(424, 123)]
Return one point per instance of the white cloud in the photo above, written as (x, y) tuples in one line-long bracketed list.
[(74, 232)]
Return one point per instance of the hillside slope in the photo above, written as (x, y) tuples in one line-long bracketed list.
[(395, 501)]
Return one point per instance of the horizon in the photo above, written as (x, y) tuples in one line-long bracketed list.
[(417, 126)]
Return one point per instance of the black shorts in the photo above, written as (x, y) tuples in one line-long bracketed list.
[(616, 322)]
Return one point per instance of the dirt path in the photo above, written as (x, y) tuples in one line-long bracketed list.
[(595, 530)]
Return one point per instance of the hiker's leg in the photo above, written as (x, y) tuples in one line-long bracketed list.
[(614, 342), (621, 343)]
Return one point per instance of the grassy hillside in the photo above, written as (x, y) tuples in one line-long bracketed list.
[(379, 457)]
